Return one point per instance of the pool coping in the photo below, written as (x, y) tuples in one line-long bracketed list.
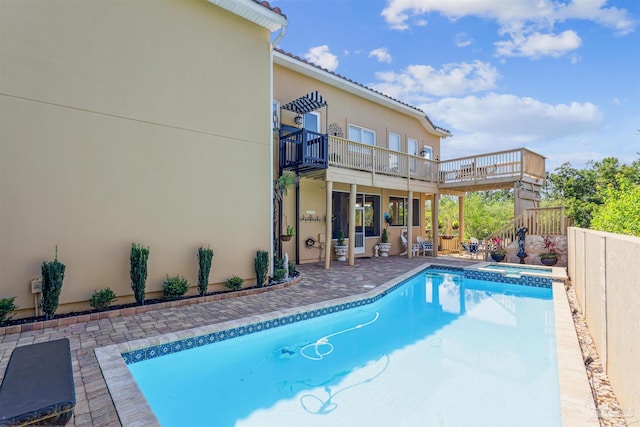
[(134, 410)]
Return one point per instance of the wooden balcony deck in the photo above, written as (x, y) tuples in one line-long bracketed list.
[(312, 153)]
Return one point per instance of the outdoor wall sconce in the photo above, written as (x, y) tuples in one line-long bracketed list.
[(298, 119)]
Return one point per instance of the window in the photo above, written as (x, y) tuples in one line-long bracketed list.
[(394, 144), (275, 114), (312, 122), (371, 215), (363, 135), (398, 208), (340, 217), (427, 152)]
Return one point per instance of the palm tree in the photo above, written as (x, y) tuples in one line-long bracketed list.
[(280, 189)]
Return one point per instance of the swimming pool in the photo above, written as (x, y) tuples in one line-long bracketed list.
[(443, 348)]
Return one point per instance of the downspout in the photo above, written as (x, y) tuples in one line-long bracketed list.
[(279, 37)]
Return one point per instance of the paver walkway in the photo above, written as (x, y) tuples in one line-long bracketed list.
[(94, 405)]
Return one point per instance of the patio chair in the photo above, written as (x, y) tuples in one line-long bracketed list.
[(424, 246), (405, 243), (473, 247)]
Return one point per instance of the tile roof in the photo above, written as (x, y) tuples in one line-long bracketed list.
[(266, 4), (297, 58)]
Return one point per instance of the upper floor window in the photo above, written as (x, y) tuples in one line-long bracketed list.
[(363, 135), (394, 141), (311, 121), (427, 152)]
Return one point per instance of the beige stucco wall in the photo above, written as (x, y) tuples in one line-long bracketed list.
[(344, 108), (603, 271), (126, 122)]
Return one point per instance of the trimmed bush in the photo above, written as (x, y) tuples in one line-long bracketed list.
[(139, 257), (279, 274), (52, 277), (292, 267), (102, 299), (174, 287), (204, 261), (7, 306), (262, 267), (234, 283)]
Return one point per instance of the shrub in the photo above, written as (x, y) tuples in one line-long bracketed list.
[(52, 277), (6, 308), (234, 283), (174, 287), (204, 260), (262, 267), (292, 267), (139, 257), (100, 300), (385, 236), (340, 238), (279, 274), (278, 263)]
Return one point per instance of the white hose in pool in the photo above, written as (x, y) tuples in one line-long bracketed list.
[(324, 341)]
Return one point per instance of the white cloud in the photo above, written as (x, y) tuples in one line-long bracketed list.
[(497, 121), (320, 55), (528, 23), (417, 83), (381, 54), (463, 40), (536, 45)]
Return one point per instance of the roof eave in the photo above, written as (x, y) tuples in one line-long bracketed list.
[(254, 12), (362, 91)]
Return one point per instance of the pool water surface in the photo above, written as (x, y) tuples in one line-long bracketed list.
[(441, 349)]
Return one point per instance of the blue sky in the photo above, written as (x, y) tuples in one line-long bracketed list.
[(559, 77)]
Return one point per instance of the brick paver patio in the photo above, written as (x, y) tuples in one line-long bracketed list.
[(94, 405)]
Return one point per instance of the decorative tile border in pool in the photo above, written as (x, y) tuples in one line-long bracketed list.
[(163, 349)]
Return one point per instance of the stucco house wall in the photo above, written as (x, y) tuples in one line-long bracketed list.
[(125, 122), (344, 108)]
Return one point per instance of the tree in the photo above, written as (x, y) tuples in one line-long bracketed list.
[(584, 191), (620, 212)]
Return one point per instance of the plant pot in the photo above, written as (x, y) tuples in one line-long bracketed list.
[(341, 252), (498, 257), (285, 237), (549, 261), (384, 249)]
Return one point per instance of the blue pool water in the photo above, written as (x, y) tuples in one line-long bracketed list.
[(440, 350)]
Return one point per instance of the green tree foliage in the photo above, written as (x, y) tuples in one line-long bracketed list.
[(139, 257), (205, 255), (583, 191), (52, 277), (486, 211), (620, 212), (261, 264)]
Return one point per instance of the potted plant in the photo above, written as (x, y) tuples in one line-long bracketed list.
[(290, 233), (385, 246), (340, 248), (497, 253), (549, 257)]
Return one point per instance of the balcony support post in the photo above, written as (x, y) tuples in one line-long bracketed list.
[(328, 226), (352, 225), (410, 225)]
